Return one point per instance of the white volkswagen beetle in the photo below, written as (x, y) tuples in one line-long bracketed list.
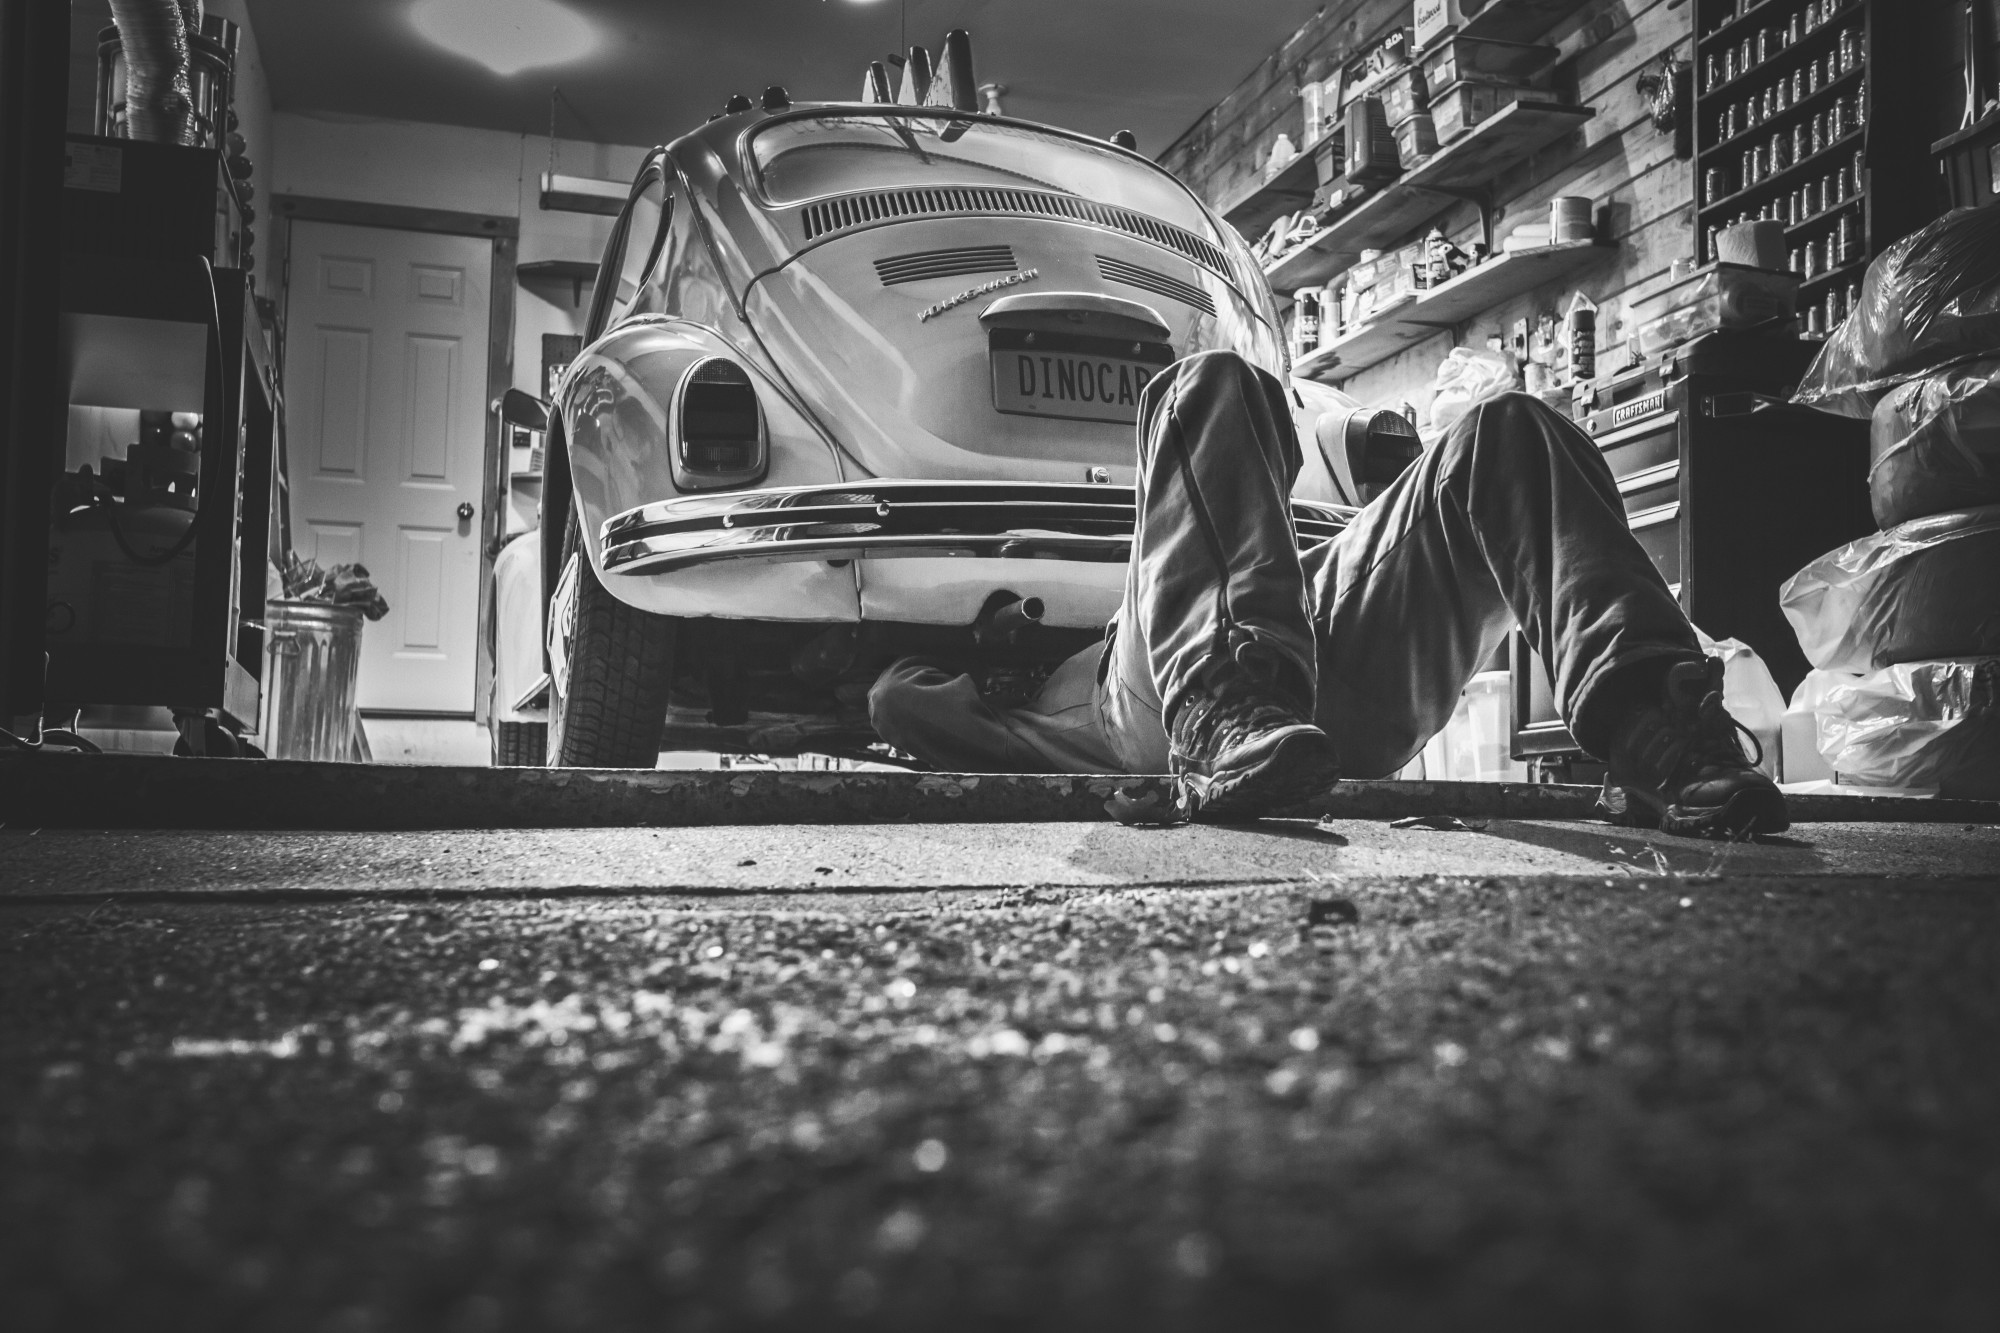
[(860, 380)]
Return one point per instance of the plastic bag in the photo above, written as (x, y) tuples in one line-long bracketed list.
[(1750, 693), (1912, 725), (1934, 444), (1930, 299), (1929, 588), (1466, 378)]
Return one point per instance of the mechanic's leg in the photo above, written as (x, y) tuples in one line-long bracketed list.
[(1513, 517), (1215, 604), (940, 716)]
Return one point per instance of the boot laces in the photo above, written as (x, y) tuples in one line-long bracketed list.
[(1710, 733), (1238, 698)]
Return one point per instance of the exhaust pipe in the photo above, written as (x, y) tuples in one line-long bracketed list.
[(1005, 619)]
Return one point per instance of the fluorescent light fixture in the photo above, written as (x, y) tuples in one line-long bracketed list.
[(506, 36)]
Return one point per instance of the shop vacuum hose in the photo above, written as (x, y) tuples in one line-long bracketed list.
[(158, 106)]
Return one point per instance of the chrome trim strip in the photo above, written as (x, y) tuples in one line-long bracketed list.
[(891, 519)]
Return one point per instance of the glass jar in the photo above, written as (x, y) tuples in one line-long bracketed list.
[(1815, 327), (1850, 50), (1812, 78), (1794, 28), (1798, 261), (1771, 107), (1802, 142), (1815, 135), (1810, 195), (1849, 240), (1762, 48), (1781, 152), (1746, 56), (1859, 108)]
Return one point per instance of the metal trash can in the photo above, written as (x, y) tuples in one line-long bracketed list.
[(313, 658)]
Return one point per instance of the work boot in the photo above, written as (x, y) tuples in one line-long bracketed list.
[(1680, 763), (1241, 747)]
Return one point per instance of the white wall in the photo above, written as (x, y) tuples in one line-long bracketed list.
[(420, 165)]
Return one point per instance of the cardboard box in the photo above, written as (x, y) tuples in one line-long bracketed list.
[(1432, 19)]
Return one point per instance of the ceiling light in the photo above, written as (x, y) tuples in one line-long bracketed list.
[(506, 36)]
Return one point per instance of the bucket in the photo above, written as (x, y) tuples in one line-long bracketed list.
[(1569, 218), (312, 660)]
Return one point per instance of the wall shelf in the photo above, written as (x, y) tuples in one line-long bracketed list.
[(1263, 202), (1462, 170), (1444, 306), (576, 272), (1518, 20)]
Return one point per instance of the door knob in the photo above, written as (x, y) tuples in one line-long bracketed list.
[(465, 511)]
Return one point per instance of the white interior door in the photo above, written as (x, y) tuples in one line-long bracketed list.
[(385, 384)]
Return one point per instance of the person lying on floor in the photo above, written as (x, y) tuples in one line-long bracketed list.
[(1257, 675)]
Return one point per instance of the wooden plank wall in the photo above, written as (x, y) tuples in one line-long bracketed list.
[(1642, 193)]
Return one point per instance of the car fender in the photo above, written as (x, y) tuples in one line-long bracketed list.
[(616, 403)]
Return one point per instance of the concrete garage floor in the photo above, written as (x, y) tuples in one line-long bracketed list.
[(1547, 1073)]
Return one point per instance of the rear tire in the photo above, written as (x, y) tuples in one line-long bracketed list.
[(621, 662), (519, 744)]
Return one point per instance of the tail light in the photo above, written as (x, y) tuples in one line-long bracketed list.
[(718, 428), (1380, 445)]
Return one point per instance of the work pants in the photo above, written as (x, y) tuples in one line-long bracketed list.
[(1512, 518)]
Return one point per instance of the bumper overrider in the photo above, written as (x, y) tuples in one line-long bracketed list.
[(877, 520)]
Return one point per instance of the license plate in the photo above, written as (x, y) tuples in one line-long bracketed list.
[(1072, 378)]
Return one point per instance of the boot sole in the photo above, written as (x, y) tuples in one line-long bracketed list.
[(1750, 811), (1300, 765)]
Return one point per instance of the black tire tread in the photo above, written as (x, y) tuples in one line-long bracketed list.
[(621, 664), (520, 744)]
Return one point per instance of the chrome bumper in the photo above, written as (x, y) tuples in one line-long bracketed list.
[(877, 520)]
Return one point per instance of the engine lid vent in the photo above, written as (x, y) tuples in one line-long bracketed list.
[(860, 210), (945, 263), (1132, 275)]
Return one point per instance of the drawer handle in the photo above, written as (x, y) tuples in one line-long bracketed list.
[(1646, 477), (1652, 518)]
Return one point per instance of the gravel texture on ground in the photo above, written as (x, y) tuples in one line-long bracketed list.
[(1635, 1102)]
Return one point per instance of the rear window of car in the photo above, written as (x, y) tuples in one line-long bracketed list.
[(810, 157)]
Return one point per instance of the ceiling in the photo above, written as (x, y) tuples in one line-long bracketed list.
[(660, 67)]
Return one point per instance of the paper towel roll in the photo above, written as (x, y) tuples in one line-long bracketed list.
[(1756, 244)]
